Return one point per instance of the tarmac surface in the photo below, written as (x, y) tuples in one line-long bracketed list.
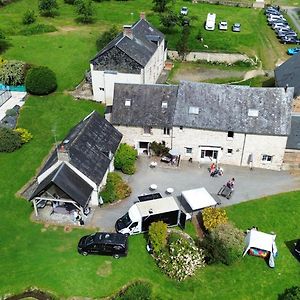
[(250, 184)]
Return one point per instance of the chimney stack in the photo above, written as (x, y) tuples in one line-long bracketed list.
[(127, 31), (143, 16)]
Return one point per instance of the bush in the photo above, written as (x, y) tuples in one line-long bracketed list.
[(106, 37), (137, 291), (84, 10), (40, 81), (9, 140), (29, 17), (13, 72), (292, 293), (48, 8), (11, 112), (125, 159), (159, 148), (115, 188), (69, 1), (24, 134), (223, 244), (37, 29), (158, 232), (181, 260), (212, 217)]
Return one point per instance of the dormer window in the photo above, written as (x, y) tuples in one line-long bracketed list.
[(193, 110), (252, 112), (164, 104), (127, 102)]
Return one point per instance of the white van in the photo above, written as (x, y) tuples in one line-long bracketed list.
[(210, 21)]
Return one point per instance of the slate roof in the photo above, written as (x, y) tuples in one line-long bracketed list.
[(293, 141), (146, 105), (69, 182), (226, 108), (218, 107), (289, 73), (140, 48), (88, 145)]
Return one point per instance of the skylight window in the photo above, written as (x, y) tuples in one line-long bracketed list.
[(194, 110), (127, 102), (252, 112), (164, 104)]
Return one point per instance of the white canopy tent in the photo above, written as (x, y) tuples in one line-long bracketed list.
[(198, 198), (260, 240)]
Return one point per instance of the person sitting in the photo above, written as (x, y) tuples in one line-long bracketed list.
[(230, 183)]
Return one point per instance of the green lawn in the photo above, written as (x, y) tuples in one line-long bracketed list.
[(32, 255)]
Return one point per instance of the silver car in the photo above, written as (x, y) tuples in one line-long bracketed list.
[(236, 27)]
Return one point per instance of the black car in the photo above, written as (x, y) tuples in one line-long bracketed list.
[(104, 243), (297, 249)]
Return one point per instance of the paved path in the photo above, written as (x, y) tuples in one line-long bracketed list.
[(292, 13), (17, 98), (249, 185)]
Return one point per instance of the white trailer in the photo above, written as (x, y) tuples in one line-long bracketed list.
[(210, 21)]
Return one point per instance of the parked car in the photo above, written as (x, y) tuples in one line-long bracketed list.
[(275, 17), (104, 243), (287, 33), (223, 25), (297, 249), (292, 51), (282, 30), (278, 21), (280, 25), (236, 27), (184, 11), (290, 40), (272, 9)]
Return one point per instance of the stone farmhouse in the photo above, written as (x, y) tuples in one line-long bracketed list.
[(135, 56), (205, 122), (77, 169)]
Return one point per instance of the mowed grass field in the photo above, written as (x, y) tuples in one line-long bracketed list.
[(33, 255)]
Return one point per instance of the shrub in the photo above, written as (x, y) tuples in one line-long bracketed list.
[(37, 29), (69, 1), (292, 293), (125, 159), (115, 188), (29, 17), (25, 135), (223, 244), (40, 81), (138, 291), (11, 112), (181, 260), (9, 140), (158, 236), (84, 10), (13, 72), (159, 148), (48, 8), (212, 217), (106, 37)]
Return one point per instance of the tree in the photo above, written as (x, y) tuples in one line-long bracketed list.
[(48, 8), (158, 233), (29, 17), (125, 159), (182, 45), (292, 293), (84, 10), (106, 37), (169, 20), (160, 5)]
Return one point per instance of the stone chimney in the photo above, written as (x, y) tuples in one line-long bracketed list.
[(127, 31), (142, 15), (62, 153)]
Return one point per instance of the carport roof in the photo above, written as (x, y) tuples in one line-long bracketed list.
[(69, 182)]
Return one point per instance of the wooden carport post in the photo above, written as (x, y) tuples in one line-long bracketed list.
[(35, 208)]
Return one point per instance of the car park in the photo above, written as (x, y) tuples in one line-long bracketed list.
[(292, 51), (223, 25), (104, 243), (184, 11), (236, 27)]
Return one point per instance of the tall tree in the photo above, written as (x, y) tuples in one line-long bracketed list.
[(48, 8), (160, 5), (182, 44)]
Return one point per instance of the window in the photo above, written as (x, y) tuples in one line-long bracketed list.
[(166, 131), (229, 151), (188, 150), (209, 154), (193, 110), (127, 102), (230, 134), (164, 104), (101, 89), (266, 158), (147, 130), (181, 128)]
